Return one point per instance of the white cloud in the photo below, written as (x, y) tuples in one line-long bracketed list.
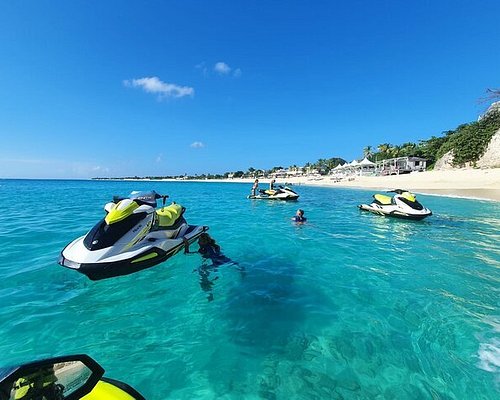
[(203, 68), (197, 145), (222, 68), (156, 86), (237, 73)]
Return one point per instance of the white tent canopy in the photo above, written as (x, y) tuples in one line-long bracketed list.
[(353, 163), (366, 162)]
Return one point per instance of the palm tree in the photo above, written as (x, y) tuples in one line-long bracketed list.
[(384, 149), (395, 151), (367, 152), (408, 149)]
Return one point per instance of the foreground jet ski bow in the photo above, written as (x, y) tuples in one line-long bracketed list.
[(62, 378), (133, 235), (402, 205), (282, 193)]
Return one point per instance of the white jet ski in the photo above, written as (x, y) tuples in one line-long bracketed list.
[(282, 193), (402, 205), (133, 235)]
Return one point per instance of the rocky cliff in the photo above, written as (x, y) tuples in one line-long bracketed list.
[(491, 155)]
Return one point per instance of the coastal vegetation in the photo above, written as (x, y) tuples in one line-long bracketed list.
[(467, 143)]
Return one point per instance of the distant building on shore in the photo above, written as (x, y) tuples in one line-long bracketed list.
[(400, 165)]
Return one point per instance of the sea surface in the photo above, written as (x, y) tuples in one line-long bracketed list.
[(348, 306)]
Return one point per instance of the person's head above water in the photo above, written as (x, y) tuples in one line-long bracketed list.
[(206, 240), (299, 216), (208, 244)]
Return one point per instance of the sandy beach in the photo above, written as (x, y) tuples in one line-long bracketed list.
[(469, 183)]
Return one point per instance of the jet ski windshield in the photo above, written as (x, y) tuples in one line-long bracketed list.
[(413, 204), (148, 198)]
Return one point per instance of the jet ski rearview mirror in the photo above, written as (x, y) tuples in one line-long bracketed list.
[(59, 378)]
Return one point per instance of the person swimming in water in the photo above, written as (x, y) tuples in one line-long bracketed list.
[(210, 250), (299, 216)]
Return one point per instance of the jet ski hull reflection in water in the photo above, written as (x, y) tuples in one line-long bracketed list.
[(282, 193), (403, 205), (133, 236)]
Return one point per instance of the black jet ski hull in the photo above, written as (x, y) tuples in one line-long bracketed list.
[(148, 259), (393, 213)]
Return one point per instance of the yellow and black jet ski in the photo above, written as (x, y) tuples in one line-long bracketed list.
[(132, 236), (402, 205), (76, 377)]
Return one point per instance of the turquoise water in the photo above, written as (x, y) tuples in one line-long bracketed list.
[(348, 306)]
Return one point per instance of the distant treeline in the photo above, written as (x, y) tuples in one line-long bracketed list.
[(468, 142)]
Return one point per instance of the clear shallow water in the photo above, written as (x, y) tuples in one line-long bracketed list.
[(350, 305)]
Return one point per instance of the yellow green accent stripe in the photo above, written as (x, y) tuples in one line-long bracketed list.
[(146, 257)]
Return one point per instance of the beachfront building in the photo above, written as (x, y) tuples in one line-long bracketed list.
[(392, 166), (287, 173), (400, 165)]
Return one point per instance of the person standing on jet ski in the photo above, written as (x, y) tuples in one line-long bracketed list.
[(255, 187), (271, 184)]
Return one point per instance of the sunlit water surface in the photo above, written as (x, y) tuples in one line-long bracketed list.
[(348, 306)]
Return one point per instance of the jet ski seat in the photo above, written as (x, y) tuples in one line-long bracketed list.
[(382, 199), (168, 216)]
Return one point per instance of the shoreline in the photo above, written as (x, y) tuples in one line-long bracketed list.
[(478, 184)]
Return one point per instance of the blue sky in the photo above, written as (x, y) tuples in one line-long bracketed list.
[(122, 88)]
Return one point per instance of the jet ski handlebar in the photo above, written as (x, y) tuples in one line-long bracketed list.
[(398, 191)]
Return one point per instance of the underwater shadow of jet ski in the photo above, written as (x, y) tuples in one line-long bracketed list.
[(62, 378), (402, 205), (282, 193), (133, 235)]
